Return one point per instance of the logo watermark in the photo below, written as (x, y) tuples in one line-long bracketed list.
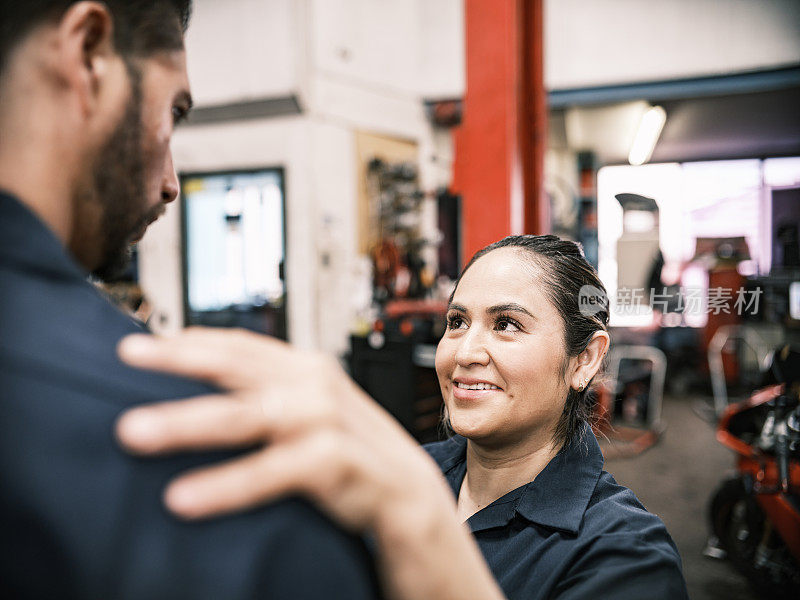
[(714, 301), (591, 300)]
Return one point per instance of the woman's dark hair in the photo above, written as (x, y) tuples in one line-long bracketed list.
[(573, 287), (141, 27)]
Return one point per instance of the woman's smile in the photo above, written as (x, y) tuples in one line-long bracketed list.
[(465, 388)]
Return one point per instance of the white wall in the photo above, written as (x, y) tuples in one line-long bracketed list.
[(601, 42), (371, 62), (411, 47), (442, 69), (334, 189), (255, 49), (244, 49), (369, 42)]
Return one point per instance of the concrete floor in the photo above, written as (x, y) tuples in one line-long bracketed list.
[(675, 479)]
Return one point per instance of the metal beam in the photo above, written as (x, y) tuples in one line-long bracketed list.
[(675, 89)]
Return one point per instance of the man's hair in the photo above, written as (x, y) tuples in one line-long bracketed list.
[(141, 27)]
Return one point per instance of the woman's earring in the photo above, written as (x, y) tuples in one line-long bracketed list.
[(583, 385)]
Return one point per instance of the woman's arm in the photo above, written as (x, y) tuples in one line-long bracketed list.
[(318, 434)]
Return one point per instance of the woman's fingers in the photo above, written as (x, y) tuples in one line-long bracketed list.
[(228, 487), (296, 402), (198, 424), (308, 465), (229, 359), (223, 421)]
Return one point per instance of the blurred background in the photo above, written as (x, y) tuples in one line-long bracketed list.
[(346, 157)]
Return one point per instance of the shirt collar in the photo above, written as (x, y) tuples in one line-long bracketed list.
[(557, 498), (560, 494), (27, 243)]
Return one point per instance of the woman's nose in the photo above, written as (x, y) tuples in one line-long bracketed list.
[(472, 349)]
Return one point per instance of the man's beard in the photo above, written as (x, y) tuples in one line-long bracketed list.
[(119, 187)]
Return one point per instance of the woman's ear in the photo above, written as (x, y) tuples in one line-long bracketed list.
[(587, 363)]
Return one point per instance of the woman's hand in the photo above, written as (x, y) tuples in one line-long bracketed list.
[(317, 434), (324, 437)]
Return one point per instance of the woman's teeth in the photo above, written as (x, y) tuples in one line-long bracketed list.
[(476, 386)]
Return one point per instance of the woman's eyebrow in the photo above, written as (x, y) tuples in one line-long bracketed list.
[(458, 307), (509, 307)]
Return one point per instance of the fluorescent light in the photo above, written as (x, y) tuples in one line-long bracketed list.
[(646, 137)]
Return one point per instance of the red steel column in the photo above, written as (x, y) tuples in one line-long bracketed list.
[(499, 147), (533, 121)]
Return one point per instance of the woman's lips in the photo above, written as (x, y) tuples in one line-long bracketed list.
[(473, 389)]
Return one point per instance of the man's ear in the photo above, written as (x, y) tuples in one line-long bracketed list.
[(588, 362), (86, 50)]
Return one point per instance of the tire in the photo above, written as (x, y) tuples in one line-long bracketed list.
[(737, 521), (740, 525)]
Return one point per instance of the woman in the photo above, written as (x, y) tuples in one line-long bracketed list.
[(514, 366), (524, 470)]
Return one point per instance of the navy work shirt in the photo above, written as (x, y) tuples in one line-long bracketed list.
[(573, 532), (81, 519)]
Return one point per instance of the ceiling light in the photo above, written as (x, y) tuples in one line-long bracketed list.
[(646, 137)]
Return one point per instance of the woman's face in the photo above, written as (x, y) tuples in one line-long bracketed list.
[(500, 360)]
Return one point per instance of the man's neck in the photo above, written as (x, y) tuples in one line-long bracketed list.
[(37, 173), (493, 472)]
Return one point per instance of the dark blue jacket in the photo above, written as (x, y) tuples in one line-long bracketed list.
[(81, 519), (572, 533)]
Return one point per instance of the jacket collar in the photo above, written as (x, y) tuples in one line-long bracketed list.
[(27, 244), (556, 499)]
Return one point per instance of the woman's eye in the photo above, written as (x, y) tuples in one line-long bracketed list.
[(455, 322), (507, 324)]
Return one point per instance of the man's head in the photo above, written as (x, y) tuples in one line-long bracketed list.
[(103, 84)]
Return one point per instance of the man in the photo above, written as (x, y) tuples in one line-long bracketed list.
[(89, 95)]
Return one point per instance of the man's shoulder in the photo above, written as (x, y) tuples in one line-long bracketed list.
[(57, 328), (67, 488), (64, 332), (287, 549)]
